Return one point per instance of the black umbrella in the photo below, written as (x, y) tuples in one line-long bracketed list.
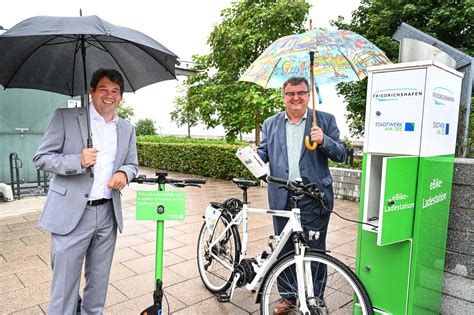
[(59, 54)]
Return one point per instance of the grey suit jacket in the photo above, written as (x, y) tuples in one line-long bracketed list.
[(60, 152), (313, 164)]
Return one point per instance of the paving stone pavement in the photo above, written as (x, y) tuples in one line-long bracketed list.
[(25, 274)]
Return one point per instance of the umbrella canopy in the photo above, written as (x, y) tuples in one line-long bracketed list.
[(339, 56), (59, 54), (320, 56)]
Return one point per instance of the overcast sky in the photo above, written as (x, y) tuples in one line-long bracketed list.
[(183, 27)]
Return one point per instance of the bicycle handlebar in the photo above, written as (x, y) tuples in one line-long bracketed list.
[(277, 180), (172, 181), (297, 187), (198, 181)]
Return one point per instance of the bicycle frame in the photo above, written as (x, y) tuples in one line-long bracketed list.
[(300, 276), (293, 225)]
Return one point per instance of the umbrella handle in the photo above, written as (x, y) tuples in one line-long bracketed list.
[(308, 144)]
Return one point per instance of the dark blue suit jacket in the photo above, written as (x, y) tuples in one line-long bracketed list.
[(313, 164)]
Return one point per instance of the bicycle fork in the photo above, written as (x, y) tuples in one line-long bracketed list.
[(303, 274)]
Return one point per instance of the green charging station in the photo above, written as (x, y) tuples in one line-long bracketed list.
[(411, 124)]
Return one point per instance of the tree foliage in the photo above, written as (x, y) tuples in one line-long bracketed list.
[(145, 127), (377, 20), (184, 113), (124, 111), (248, 27)]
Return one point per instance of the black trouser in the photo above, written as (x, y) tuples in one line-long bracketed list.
[(312, 219)]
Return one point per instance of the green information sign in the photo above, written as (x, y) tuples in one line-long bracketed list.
[(160, 205)]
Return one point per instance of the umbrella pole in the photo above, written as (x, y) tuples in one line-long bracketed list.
[(308, 144), (83, 51)]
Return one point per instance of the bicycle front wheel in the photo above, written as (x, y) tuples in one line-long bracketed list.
[(216, 264), (330, 287)]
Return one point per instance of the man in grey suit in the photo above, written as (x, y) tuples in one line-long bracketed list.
[(83, 207), (283, 146)]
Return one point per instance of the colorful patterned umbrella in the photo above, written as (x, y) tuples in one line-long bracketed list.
[(340, 56), (320, 56)]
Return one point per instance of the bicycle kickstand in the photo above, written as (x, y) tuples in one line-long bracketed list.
[(224, 297), (157, 300)]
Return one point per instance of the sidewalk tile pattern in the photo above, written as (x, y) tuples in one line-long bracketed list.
[(25, 275)]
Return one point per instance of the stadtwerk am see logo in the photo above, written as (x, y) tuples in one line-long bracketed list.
[(395, 94), (442, 95), (395, 125), (441, 128)]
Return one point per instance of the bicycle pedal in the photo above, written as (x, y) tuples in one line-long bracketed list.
[(223, 297)]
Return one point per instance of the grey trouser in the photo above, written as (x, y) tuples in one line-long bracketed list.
[(93, 239)]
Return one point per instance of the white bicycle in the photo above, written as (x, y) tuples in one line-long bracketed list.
[(312, 281)]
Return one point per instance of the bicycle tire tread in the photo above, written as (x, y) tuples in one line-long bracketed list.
[(323, 257)]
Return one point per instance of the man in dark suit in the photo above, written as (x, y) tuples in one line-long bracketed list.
[(283, 147), (83, 207)]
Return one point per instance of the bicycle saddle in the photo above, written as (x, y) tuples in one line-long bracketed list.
[(244, 182)]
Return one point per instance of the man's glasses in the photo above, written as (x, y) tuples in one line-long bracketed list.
[(299, 93)]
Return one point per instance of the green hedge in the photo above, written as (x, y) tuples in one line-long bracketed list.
[(173, 139), (356, 164), (204, 159), (200, 157)]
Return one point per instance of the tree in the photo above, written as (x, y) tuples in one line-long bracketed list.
[(124, 111), (145, 127), (349, 151), (377, 20), (248, 27), (184, 113)]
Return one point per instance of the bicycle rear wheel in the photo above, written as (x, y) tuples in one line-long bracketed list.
[(330, 287), (216, 273)]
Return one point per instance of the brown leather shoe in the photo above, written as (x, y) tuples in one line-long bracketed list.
[(283, 307)]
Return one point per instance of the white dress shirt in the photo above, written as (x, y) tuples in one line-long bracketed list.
[(104, 139)]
